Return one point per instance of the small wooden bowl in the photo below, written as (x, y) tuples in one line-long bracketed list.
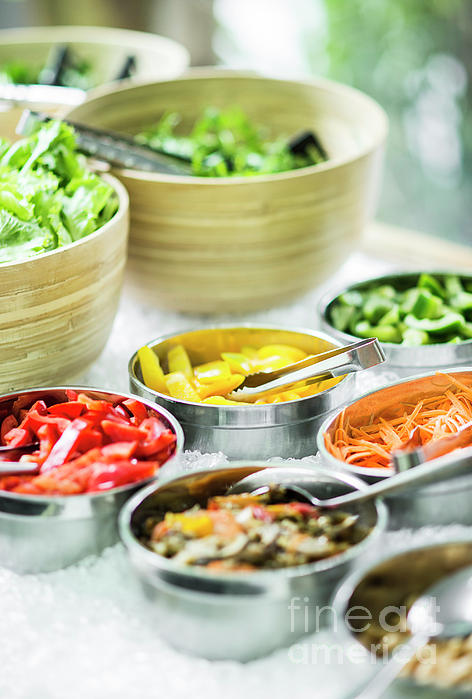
[(56, 310), (157, 58), (234, 244)]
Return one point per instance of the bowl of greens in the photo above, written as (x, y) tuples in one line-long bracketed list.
[(86, 57), (422, 319), (280, 178), (63, 237)]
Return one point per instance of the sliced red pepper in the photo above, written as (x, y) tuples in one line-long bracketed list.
[(48, 435), (118, 451), (8, 424), (106, 476), (18, 437), (34, 420), (99, 406), (122, 432), (137, 408), (71, 394), (70, 410), (158, 437), (65, 445)]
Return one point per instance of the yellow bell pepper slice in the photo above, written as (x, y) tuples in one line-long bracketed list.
[(291, 354), (211, 372), (153, 376), (178, 386), (219, 400), (178, 360), (195, 524), (270, 363), (249, 351), (220, 388), (237, 362)]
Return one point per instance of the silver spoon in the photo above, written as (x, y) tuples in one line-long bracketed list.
[(445, 609), (428, 472)]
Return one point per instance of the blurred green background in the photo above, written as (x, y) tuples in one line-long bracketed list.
[(413, 56)]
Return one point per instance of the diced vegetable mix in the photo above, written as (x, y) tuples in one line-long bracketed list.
[(370, 445), (85, 445), (225, 143), (238, 533), (48, 197), (437, 309), (212, 382)]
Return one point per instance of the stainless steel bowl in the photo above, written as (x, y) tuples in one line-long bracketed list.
[(442, 503), (402, 360), (40, 533), (229, 615), (395, 581), (249, 432)]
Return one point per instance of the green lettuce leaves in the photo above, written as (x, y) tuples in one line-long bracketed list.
[(48, 197)]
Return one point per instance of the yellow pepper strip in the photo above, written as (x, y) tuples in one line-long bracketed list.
[(153, 376), (178, 386), (249, 351), (270, 363), (220, 388), (291, 354), (237, 362), (289, 395), (219, 400), (196, 524), (178, 360), (211, 372)]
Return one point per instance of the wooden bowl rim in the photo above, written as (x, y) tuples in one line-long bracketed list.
[(120, 214), (210, 74)]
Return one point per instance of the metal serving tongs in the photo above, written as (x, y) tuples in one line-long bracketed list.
[(111, 147), (318, 367)]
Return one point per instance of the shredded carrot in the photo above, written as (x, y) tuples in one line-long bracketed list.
[(370, 445)]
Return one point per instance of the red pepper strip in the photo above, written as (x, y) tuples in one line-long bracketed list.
[(48, 437), (18, 437), (304, 509), (90, 439), (71, 395), (121, 412), (106, 476), (66, 444), (34, 420), (118, 451), (137, 409), (92, 404), (121, 432), (8, 424), (158, 437), (71, 410)]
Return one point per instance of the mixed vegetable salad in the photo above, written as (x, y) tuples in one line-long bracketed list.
[(436, 309), (212, 383), (226, 143), (237, 533), (48, 196), (83, 445)]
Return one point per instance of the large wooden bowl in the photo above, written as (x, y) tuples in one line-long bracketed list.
[(56, 310), (237, 244), (157, 57)]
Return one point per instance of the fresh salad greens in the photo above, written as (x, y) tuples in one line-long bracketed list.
[(225, 143), (77, 72), (435, 310), (48, 197)]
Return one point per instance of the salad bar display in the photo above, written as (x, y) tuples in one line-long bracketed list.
[(237, 544)]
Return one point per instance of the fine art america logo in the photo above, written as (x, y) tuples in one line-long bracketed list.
[(388, 628)]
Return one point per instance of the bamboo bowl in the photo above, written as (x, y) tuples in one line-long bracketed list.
[(56, 310), (212, 245), (157, 58)]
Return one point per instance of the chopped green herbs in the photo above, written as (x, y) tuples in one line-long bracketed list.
[(226, 143), (435, 310), (48, 197)]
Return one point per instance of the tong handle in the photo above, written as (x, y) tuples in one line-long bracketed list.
[(338, 362)]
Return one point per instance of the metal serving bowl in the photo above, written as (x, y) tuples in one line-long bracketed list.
[(402, 360), (238, 616), (250, 432), (40, 533), (396, 581), (441, 503)]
